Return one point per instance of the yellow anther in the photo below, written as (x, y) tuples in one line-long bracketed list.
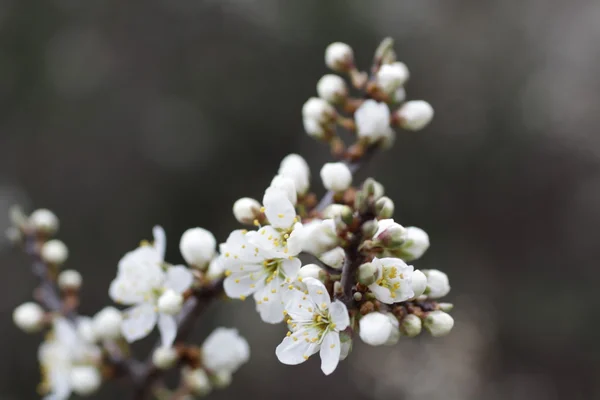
[(319, 318), (319, 292), (286, 236), (314, 340), (256, 223), (273, 290), (288, 334), (295, 338), (310, 309), (265, 298), (237, 281), (242, 298), (279, 215), (291, 287), (227, 272), (252, 286), (307, 340), (227, 254), (305, 357), (243, 246), (331, 346), (262, 209), (285, 250)]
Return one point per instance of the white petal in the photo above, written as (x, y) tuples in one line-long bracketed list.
[(346, 347), (167, 328), (317, 292), (278, 208), (160, 240), (60, 383), (138, 322), (339, 315), (330, 352), (237, 249), (269, 302), (297, 305), (295, 349), (243, 284), (382, 294), (291, 267), (267, 238), (121, 291), (178, 278)]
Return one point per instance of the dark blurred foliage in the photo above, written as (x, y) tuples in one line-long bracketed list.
[(121, 115)]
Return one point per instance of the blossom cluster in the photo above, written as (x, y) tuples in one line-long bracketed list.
[(333, 270)]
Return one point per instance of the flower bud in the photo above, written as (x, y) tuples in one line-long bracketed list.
[(336, 176), (164, 357), (369, 228), (418, 283), (367, 274), (378, 329), (339, 57), (319, 110), (225, 350), (438, 323), (216, 269), (399, 95), (334, 258), (335, 210), (314, 128), (287, 185), (198, 247), (85, 330), (446, 307), (415, 115), (246, 210), (390, 77), (85, 380), (54, 252), (197, 381), (384, 207), (44, 221), (438, 284), (107, 323), (332, 88), (221, 379), (69, 279), (312, 271), (389, 235), (373, 121), (411, 325), (295, 168), (29, 317), (170, 302), (417, 243)]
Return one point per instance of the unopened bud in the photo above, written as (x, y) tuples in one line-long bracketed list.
[(85, 380), (438, 284), (170, 302), (314, 128), (390, 77), (312, 271), (164, 357), (198, 247), (319, 110), (446, 307), (197, 381), (334, 258), (339, 57), (417, 243), (390, 235), (369, 228), (438, 323), (54, 252), (107, 323), (379, 329), (418, 282), (246, 210), (336, 176), (341, 210), (411, 325), (29, 317), (367, 274), (69, 280), (44, 221), (332, 88), (414, 115), (337, 287), (384, 207)]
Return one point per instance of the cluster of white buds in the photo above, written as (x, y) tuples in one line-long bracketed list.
[(358, 283)]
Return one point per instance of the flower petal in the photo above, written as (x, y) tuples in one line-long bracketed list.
[(178, 278), (244, 283), (122, 292), (317, 292), (269, 302), (167, 328), (339, 315), (296, 348), (291, 267), (278, 208), (138, 322), (382, 294), (297, 306), (160, 241), (330, 352), (237, 249)]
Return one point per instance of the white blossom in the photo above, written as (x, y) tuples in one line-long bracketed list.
[(336, 176), (197, 246), (45, 221), (29, 317), (294, 167), (438, 323), (107, 323), (378, 329), (316, 323), (391, 77), (318, 236), (245, 210), (438, 284), (415, 115), (69, 279), (339, 56), (85, 380), (225, 350), (373, 121), (54, 252), (415, 245), (170, 302), (164, 357), (393, 282), (389, 234), (143, 276), (332, 88), (319, 110)]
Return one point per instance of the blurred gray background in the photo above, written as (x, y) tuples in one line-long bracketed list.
[(121, 115)]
